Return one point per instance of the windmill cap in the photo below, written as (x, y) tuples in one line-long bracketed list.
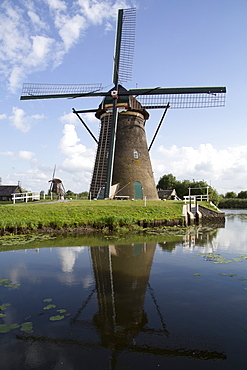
[(55, 181), (123, 100)]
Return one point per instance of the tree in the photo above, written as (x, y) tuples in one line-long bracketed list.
[(230, 194), (242, 194), (167, 182), (182, 188), (83, 194), (69, 194)]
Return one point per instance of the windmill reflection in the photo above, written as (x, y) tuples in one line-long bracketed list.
[(122, 281), (122, 275)]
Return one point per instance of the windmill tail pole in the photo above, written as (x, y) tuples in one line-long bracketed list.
[(84, 124), (157, 130), (111, 148), (117, 48)]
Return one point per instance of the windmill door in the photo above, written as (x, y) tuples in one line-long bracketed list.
[(138, 190)]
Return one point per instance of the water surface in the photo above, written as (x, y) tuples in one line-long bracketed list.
[(171, 304)]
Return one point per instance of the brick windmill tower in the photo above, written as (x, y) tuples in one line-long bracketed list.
[(122, 164)]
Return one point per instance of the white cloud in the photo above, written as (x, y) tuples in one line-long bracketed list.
[(71, 30), (25, 154), (7, 154), (35, 19), (57, 5), (3, 116), (15, 77), (21, 121), (69, 118), (79, 158), (97, 11), (68, 143), (68, 257), (41, 47), (204, 163), (88, 281), (90, 117)]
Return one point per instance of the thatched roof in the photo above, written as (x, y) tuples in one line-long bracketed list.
[(7, 190), (169, 194)]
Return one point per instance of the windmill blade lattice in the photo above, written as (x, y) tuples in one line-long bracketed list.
[(52, 91), (181, 101), (124, 46)]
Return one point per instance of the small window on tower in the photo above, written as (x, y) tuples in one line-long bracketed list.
[(135, 154)]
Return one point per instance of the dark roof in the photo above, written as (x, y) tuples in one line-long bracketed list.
[(7, 190), (167, 192)]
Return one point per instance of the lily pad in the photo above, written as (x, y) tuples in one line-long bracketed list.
[(2, 315), (14, 326), (27, 323), (27, 327), (221, 260), (49, 306), (61, 310), (4, 328), (197, 274), (11, 285), (4, 306), (57, 318), (4, 281), (47, 300)]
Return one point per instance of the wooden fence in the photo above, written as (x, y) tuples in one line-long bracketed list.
[(24, 197)]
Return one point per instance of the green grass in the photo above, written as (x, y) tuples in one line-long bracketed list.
[(85, 213)]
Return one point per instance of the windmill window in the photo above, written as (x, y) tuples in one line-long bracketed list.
[(136, 156)]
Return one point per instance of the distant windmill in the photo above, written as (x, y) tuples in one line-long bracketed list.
[(57, 186), (122, 160)]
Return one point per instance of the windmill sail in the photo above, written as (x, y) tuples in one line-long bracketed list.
[(180, 98), (124, 46), (57, 91)]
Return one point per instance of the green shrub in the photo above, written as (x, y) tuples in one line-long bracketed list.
[(234, 203)]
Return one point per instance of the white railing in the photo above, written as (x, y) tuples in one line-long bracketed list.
[(35, 195), (195, 198)]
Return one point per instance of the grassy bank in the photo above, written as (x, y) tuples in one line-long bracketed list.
[(26, 217)]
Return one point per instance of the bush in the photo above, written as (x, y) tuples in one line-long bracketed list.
[(234, 203)]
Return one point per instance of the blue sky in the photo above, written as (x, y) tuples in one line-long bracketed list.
[(178, 43)]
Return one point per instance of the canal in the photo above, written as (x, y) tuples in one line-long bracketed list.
[(168, 302)]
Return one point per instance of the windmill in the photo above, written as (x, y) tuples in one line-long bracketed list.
[(56, 186), (122, 164)]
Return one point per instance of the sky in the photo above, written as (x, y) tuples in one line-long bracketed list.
[(178, 44)]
